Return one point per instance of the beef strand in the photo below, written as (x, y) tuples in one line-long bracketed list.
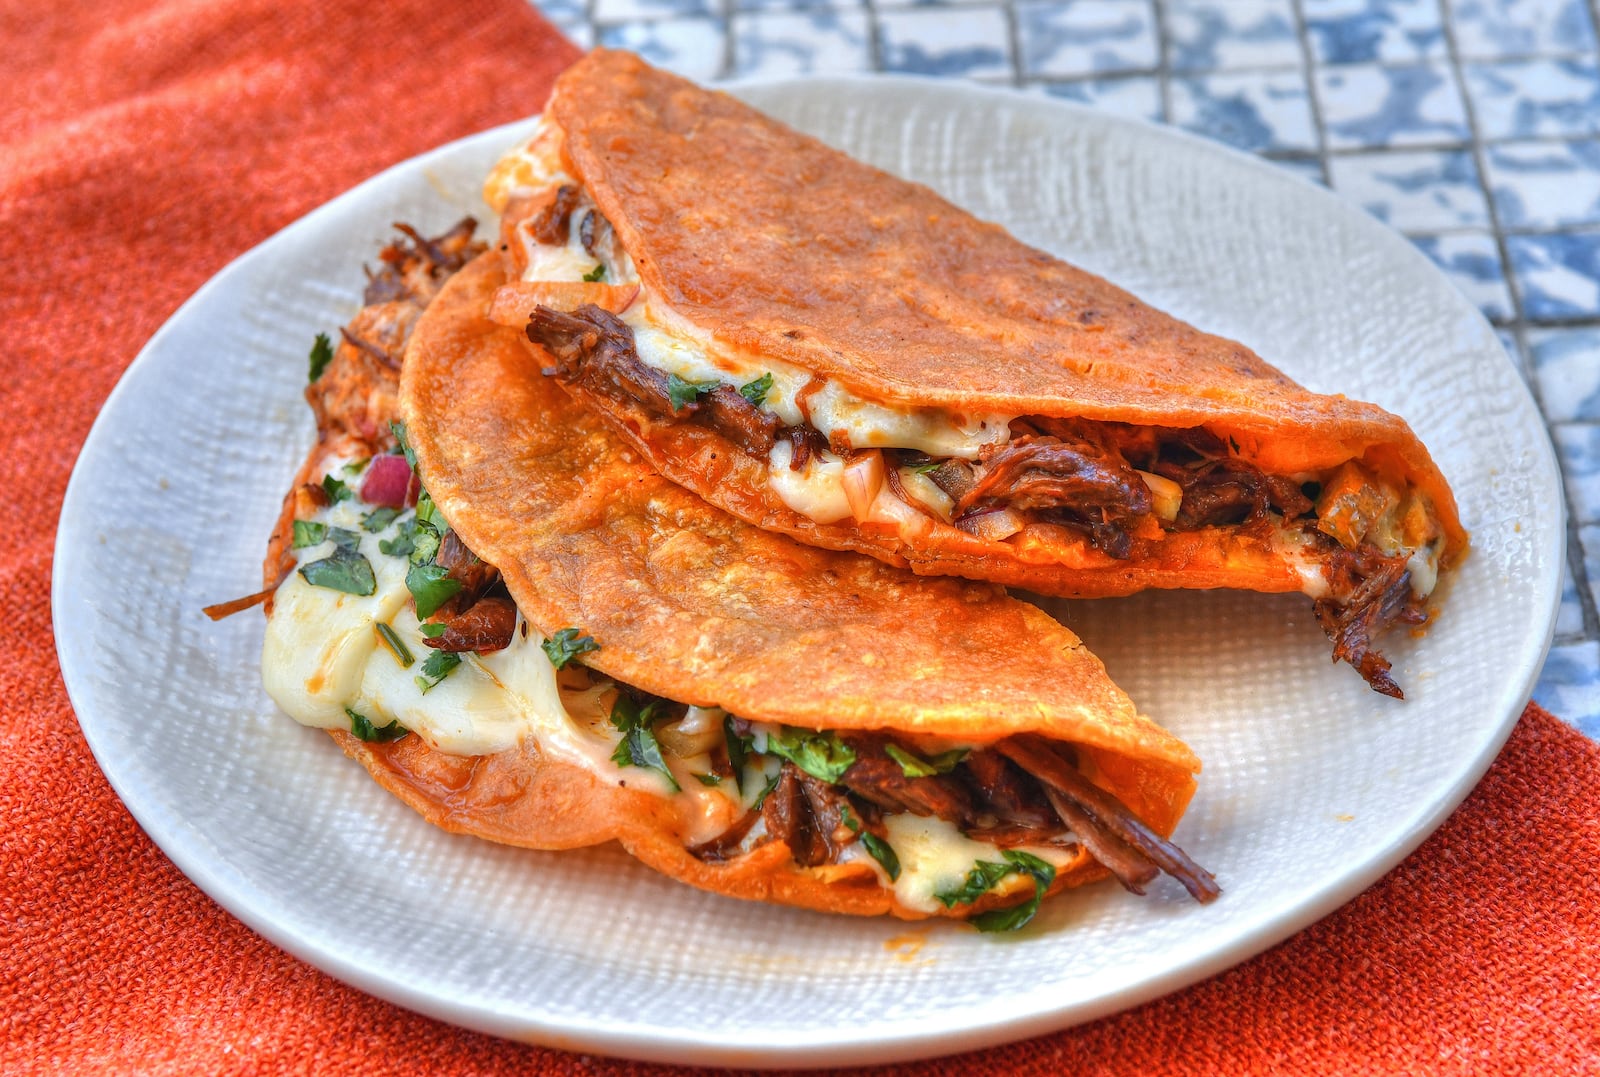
[(1376, 595), (594, 349), (485, 626), (552, 223), (1103, 816)]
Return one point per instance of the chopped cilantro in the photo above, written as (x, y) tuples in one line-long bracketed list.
[(424, 544), (821, 755), (398, 429), (438, 666), (428, 513), (354, 467), (638, 746), (566, 645), (362, 729), (930, 466), (336, 490), (433, 629), (404, 540), (344, 539), (772, 783), (876, 847), (986, 874), (681, 392), (309, 533), (598, 273), (343, 570), (431, 587), (738, 751), (709, 779), (914, 766), (396, 645), (321, 356), (756, 391), (379, 519)]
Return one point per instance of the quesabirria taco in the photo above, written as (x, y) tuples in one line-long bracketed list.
[(830, 352), (526, 634)]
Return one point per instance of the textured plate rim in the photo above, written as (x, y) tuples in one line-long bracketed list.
[(909, 1039)]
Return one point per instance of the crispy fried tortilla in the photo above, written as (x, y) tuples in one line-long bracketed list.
[(830, 352), (752, 716)]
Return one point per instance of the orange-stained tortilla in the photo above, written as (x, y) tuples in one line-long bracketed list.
[(689, 603), (783, 247)]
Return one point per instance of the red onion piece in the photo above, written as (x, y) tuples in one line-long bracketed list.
[(388, 482), (994, 525)]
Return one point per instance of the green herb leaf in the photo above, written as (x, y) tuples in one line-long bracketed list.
[(639, 747), (309, 533), (930, 466), (598, 273), (345, 539), (343, 570), (438, 666), (566, 645), (876, 847), (321, 355), (821, 755), (738, 751), (914, 766), (428, 513), (772, 783), (362, 729), (424, 544), (431, 587), (979, 881), (379, 519), (756, 391), (402, 543), (336, 490), (396, 645), (398, 429), (1019, 915), (709, 779), (433, 629), (354, 467), (880, 851), (681, 392)]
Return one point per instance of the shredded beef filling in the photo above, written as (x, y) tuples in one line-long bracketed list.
[(1022, 791), (1380, 597)]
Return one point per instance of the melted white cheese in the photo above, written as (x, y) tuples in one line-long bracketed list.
[(816, 490)]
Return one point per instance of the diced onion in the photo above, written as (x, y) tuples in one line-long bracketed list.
[(862, 479), (1165, 495), (994, 525)]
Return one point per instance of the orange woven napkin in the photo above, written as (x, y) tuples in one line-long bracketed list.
[(142, 146)]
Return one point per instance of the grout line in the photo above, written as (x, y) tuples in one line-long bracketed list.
[(874, 35), (1163, 70), (1313, 99)]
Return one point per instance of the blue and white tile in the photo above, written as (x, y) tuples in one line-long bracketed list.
[(1136, 97), (1263, 112), (973, 43), (1578, 448), (1545, 184), (1558, 275), (1569, 685), (1414, 191), (1569, 615), (1535, 98), (1227, 35), (1589, 542), (1367, 31), (1368, 106), (1566, 364), (571, 17), (1472, 262), (1307, 168), (1086, 37), (627, 11), (1497, 29), (798, 5), (691, 47), (821, 42)]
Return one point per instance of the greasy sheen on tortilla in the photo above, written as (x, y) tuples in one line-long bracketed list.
[(778, 245), (693, 605)]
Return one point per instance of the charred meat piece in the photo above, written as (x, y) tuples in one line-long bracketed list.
[(487, 625), (787, 812), (1111, 833), (594, 348), (1370, 594), (551, 225), (805, 443), (729, 843), (1220, 493), (877, 778), (465, 567), (1072, 479), (416, 270), (1006, 791)]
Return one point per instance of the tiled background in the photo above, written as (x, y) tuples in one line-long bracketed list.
[(1472, 126)]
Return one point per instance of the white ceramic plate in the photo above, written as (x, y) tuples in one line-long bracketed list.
[(1313, 787)]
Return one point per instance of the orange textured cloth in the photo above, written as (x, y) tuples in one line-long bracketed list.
[(142, 146)]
